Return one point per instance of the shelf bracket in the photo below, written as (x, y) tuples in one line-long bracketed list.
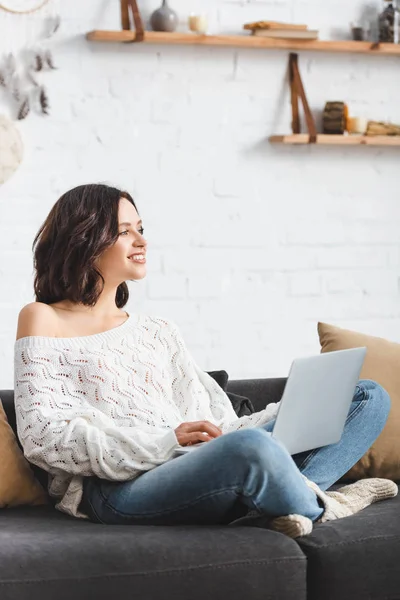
[(296, 91), (137, 19)]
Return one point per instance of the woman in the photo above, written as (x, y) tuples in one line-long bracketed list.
[(104, 398)]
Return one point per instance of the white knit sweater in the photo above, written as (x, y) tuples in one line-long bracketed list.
[(108, 404)]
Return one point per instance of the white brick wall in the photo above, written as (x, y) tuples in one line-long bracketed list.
[(249, 245)]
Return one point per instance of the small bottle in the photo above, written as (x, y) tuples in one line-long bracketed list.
[(389, 22), (396, 35)]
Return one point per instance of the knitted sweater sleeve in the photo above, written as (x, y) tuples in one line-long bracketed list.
[(60, 432), (191, 380)]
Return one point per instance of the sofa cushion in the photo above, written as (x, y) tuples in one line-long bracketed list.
[(46, 554), (355, 557), (261, 392), (241, 405), (17, 482), (382, 364)]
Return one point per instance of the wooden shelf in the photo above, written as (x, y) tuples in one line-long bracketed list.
[(337, 140), (245, 41)]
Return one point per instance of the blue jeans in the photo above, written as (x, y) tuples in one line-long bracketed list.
[(244, 470)]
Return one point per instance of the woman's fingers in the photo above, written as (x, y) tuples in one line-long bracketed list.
[(196, 431)]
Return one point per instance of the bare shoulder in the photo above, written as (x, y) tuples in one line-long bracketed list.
[(36, 318)]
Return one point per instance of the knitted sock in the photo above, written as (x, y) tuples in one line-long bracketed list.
[(292, 525), (352, 498)]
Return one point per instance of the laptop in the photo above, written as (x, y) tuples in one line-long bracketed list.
[(317, 398)]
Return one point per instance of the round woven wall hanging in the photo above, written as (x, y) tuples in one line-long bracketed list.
[(11, 148), (22, 7)]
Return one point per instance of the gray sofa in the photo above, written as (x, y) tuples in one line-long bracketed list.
[(47, 555)]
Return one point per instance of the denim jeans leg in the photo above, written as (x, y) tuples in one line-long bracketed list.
[(214, 484), (367, 416)]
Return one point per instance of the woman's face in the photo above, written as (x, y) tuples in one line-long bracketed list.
[(117, 264)]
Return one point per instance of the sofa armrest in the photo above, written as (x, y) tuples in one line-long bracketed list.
[(260, 391)]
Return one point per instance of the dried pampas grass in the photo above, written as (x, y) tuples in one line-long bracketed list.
[(24, 109), (44, 101)]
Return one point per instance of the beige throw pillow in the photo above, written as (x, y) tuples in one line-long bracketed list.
[(18, 484), (382, 364)]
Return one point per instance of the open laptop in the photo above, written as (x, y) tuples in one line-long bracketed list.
[(317, 398)]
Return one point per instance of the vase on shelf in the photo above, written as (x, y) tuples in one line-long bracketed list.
[(389, 22), (164, 18)]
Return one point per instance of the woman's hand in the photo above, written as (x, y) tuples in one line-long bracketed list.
[(196, 431)]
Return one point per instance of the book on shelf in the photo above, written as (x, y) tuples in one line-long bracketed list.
[(308, 34), (273, 25)]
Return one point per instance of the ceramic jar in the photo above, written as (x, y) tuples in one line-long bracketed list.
[(164, 18)]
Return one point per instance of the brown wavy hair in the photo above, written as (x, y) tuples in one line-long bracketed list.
[(80, 226)]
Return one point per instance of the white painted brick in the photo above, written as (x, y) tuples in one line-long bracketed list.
[(373, 232), (206, 287), (369, 282), (311, 232), (180, 311), (340, 283), (305, 284), (347, 257), (161, 286)]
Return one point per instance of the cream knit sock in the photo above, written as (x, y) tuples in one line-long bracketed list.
[(352, 498), (292, 525), (344, 502)]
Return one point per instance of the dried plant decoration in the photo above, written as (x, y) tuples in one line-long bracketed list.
[(57, 23), (24, 109), (11, 63), (44, 101), (28, 53), (49, 59), (38, 62), (29, 8), (52, 25), (31, 78), (16, 87)]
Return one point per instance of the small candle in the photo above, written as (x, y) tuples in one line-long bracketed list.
[(198, 23), (357, 125)]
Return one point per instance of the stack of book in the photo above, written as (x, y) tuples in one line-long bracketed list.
[(287, 31)]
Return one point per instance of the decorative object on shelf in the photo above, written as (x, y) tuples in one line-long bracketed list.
[(357, 125), (198, 23), (357, 32), (11, 148), (365, 27), (379, 128), (274, 29), (164, 18), (334, 118), (25, 52), (389, 23)]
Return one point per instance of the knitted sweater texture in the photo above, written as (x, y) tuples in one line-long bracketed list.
[(107, 404)]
